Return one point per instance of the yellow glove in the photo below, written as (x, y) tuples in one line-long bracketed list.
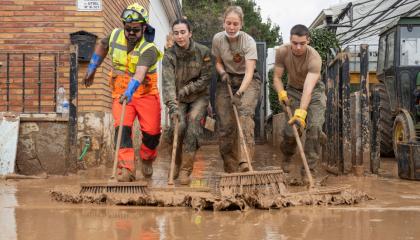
[(299, 118), (283, 97)]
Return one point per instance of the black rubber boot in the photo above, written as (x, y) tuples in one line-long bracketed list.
[(147, 168)]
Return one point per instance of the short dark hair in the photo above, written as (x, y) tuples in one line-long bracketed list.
[(300, 30), (182, 21)]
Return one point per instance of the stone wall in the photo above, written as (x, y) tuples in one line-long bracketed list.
[(42, 148)]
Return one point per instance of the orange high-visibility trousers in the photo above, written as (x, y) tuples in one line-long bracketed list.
[(147, 110)]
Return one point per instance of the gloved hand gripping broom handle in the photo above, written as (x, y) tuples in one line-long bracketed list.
[(301, 151)]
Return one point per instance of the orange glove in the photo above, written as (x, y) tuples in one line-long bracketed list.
[(283, 97), (299, 118)]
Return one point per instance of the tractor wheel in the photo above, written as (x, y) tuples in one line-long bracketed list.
[(403, 130), (385, 121)]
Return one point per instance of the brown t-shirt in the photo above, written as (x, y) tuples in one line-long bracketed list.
[(147, 59), (234, 54), (298, 67)]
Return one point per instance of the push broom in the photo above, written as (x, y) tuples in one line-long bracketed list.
[(171, 184), (113, 186), (312, 189), (269, 182)]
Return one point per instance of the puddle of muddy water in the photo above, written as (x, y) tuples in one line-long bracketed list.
[(8, 202), (27, 212), (152, 223)]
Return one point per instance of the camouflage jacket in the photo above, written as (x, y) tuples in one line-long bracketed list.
[(186, 68)]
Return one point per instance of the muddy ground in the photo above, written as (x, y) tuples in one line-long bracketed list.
[(27, 211)]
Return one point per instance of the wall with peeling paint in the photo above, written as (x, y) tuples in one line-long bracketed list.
[(98, 127), (42, 148), (42, 144)]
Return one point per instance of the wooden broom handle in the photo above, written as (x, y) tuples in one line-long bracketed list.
[(241, 134), (301, 151), (173, 156), (117, 147)]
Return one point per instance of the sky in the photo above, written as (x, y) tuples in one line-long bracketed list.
[(287, 13)]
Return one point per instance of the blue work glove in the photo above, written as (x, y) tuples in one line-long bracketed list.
[(131, 89), (94, 63)]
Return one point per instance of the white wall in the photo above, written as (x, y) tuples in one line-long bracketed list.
[(159, 20)]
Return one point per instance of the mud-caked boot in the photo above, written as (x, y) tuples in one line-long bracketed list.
[(285, 164), (125, 175), (184, 177), (147, 168), (229, 164), (186, 168), (243, 167)]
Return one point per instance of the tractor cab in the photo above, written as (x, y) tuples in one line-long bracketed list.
[(398, 71), (399, 64)]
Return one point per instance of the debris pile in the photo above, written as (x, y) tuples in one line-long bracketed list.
[(210, 201)]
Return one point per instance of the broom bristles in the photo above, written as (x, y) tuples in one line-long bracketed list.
[(118, 187), (269, 182)]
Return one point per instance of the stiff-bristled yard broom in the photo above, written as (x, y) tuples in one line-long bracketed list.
[(312, 189), (112, 185), (269, 182), (171, 185)]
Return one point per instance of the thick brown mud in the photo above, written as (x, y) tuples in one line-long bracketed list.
[(28, 212), (210, 201), (205, 174)]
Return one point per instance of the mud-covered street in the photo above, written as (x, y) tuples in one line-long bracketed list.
[(27, 211)]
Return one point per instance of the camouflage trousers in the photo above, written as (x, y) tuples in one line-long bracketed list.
[(190, 129), (314, 121), (228, 135)]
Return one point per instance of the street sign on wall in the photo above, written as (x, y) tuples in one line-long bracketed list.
[(89, 5)]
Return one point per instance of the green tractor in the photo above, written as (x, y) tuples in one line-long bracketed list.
[(398, 72)]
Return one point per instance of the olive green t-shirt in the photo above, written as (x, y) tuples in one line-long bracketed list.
[(298, 67), (234, 54), (148, 58)]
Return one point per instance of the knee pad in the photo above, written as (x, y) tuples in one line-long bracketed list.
[(150, 141), (126, 141)]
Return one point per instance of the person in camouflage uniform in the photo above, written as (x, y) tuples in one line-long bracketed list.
[(186, 81), (305, 94)]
